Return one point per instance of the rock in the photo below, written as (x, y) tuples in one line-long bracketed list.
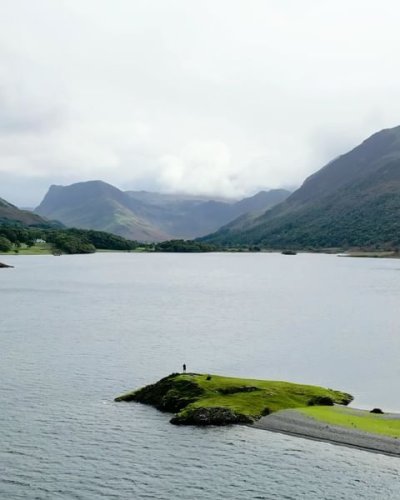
[(210, 416), (377, 410), (4, 265), (168, 394)]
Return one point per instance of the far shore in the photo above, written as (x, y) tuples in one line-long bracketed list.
[(372, 255), (296, 423), (45, 249)]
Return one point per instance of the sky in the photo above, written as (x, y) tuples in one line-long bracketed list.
[(215, 97)]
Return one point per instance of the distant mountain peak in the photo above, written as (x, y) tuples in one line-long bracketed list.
[(143, 215)]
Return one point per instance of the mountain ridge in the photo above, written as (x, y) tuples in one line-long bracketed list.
[(97, 205), (145, 216), (353, 201)]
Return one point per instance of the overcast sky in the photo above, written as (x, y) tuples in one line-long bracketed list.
[(221, 97)]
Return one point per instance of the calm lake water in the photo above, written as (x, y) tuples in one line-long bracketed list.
[(76, 331)]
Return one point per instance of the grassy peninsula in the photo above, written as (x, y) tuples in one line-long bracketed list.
[(198, 399), (298, 410), (353, 418)]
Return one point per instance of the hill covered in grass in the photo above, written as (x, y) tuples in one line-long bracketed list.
[(353, 202), (9, 213)]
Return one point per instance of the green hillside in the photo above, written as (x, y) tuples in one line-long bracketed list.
[(354, 201), (11, 214)]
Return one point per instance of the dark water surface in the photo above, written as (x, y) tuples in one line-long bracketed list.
[(77, 331)]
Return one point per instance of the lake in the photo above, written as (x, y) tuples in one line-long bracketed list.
[(76, 331)]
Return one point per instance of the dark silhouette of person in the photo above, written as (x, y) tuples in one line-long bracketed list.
[(184, 368)]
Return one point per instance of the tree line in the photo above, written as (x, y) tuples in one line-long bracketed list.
[(82, 241), (70, 241)]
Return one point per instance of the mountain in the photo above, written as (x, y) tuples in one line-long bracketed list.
[(261, 201), (98, 205), (11, 214), (146, 216), (184, 216), (354, 201)]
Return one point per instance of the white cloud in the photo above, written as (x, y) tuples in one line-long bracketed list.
[(211, 97), (201, 168)]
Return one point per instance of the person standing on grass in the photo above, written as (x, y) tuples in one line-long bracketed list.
[(184, 368)]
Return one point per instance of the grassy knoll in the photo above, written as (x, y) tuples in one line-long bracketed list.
[(355, 419), (213, 399), (274, 395)]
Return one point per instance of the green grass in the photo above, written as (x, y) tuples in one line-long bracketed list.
[(45, 249), (37, 249), (269, 395), (355, 419)]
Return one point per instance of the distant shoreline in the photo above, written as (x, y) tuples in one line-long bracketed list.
[(372, 255), (356, 254), (294, 423)]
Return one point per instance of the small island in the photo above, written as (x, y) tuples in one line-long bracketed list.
[(5, 266), (215, 400), (295, 409)]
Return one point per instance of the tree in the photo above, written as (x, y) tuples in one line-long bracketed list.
[(5, 244)]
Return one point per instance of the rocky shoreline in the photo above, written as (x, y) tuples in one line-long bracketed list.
[(295, 423)]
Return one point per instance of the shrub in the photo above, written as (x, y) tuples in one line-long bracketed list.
[(320, 401)]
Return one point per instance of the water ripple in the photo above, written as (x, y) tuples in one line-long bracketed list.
[(84, 336)]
